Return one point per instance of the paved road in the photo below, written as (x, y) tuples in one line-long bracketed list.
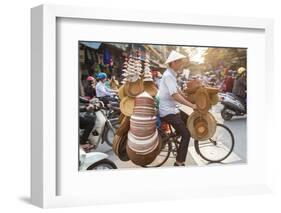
[(237, 126)]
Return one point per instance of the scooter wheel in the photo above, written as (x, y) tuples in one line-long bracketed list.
[(103, 164), (225, 115)]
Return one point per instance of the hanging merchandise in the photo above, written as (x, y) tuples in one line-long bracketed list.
[(201, 124), (133, 85), (131, 74), (121, 92), (106, 56), (124, 71), (148, 83), (97, 68), (138, 113), (143, 144), (127, 105), (132, 89), (119, 147), (82, 56)]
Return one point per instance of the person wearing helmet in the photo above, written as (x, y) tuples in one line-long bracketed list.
[(156, 75), (90, 89), (240, 86), (169, 95), (103, 93)]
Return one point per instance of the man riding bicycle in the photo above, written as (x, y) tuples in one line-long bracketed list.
[(169, 95)]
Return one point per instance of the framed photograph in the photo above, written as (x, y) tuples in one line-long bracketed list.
[(131, 106)]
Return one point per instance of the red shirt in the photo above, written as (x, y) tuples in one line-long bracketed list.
[(228, 84)]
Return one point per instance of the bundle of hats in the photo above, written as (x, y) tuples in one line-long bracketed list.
[(143, 143), (124, 71), (132, 86), (201, 123), (135, 82), (131, 70)]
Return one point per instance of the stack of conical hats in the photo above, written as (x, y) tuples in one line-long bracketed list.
[(147, 75), (124, 71), (148, 83), (132, 73)]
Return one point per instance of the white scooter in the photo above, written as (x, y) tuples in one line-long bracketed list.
[(97, 160), (94, 161), (232, 106), (104, 128)]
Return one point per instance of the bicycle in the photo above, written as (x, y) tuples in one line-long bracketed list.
[(212, 150)]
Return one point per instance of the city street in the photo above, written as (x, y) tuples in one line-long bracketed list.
[(239, 155)]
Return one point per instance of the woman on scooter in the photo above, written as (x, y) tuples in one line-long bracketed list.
[(104, 93)]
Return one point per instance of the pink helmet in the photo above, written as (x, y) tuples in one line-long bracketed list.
[(90, 78)]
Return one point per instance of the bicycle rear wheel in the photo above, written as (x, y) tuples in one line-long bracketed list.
[(217, 148)]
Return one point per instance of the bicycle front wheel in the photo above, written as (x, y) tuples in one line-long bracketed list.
[(163, 155), (217, 148)]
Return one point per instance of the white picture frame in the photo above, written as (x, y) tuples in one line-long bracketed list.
[(44, 154)]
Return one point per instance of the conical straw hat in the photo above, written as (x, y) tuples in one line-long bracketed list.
[(143, 159), (201, 126), (150, 88), (127, 106), (121, 92), (124, 126), (174, 56), (202, 100), (132, 89)]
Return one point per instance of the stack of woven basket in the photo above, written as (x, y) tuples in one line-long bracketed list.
[(143, 143), (201, 123)]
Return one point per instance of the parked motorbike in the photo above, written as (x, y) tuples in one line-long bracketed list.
[(232, 106), (94, 161)]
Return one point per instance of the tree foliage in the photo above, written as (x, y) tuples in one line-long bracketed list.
[(227, 57)]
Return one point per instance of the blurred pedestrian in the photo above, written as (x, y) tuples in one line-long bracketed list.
[(228, 82), (156, 75), (114, 84), (240, 85)]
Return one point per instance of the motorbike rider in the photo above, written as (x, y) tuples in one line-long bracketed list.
[(103, 93), (86, 122), (169, 95), (228, 82), (90, 89), (240, 86)]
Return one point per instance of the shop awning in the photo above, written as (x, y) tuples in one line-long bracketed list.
[(93, 45)]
